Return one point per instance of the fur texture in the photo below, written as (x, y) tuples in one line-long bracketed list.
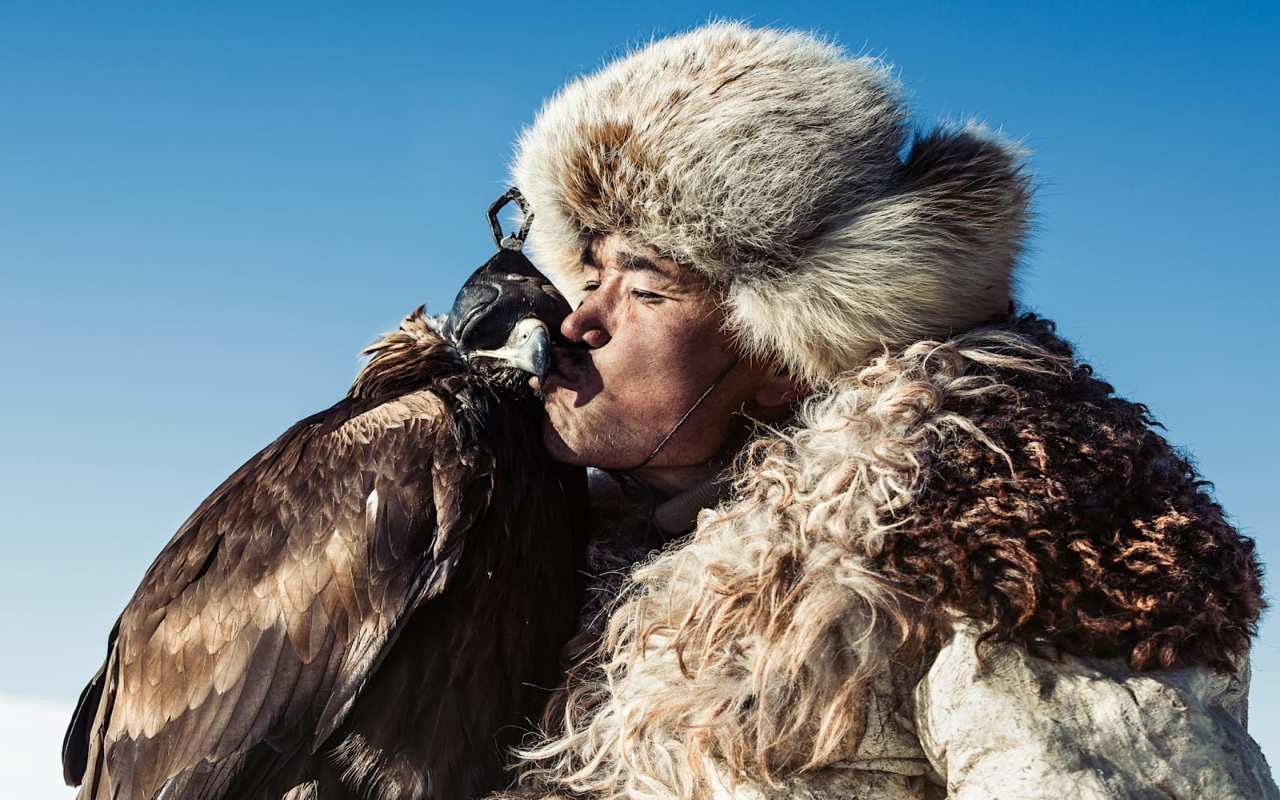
[(770, 162), (954, 461), (988, 475)]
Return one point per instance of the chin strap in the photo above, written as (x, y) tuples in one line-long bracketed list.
[(686, 416)]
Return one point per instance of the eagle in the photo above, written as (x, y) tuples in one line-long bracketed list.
[(374, 604)]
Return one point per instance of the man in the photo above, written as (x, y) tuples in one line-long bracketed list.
[(962, 569)]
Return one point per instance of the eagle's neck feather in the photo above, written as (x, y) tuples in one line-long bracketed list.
[(405, 359)]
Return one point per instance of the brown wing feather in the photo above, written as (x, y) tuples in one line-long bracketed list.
[(267, 611)]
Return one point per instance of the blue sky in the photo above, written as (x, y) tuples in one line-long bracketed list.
[(206, 211)]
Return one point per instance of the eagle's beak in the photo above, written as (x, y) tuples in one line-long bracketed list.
[(527, 348), (533, 355)]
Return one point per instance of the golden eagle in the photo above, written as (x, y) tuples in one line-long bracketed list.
[(369, 606)]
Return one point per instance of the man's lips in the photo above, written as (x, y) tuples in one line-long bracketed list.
[(573, 368)]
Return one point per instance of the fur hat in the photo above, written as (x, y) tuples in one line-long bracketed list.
[(769, 161)]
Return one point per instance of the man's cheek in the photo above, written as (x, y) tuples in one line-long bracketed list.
[(564, 416), (558, 437)]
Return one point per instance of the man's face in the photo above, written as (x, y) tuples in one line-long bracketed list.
[(649, 343)]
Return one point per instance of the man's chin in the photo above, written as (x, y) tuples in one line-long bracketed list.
[(558, 448), (564, 445)]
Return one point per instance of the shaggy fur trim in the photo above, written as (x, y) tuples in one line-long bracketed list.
[(769, 161), (987, 475), (1085, 530)]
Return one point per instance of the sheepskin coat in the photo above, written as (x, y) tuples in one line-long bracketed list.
[(968, 570)]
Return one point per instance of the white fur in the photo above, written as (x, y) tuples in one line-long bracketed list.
[(747, 652)]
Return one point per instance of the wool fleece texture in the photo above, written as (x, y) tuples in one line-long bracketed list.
[(967, 569), (966, 561)]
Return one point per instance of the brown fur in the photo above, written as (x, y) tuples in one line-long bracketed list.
[(1103, 541)]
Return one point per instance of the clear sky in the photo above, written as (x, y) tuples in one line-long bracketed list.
[(207, 210)]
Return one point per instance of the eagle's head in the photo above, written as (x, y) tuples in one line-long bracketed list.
[(507, 312)]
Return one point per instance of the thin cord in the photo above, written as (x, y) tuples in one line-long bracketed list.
[(687, 414)]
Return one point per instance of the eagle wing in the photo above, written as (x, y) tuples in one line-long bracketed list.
[(264, 616)]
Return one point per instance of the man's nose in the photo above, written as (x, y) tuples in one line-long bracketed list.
[(586, 324)]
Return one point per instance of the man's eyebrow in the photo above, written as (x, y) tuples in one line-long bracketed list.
[(627, 261), (634, 262)]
